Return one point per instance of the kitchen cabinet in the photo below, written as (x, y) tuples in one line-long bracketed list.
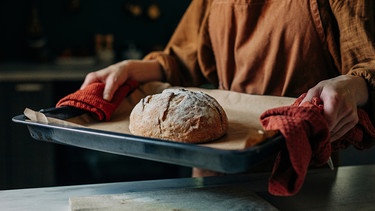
[(24, 162)]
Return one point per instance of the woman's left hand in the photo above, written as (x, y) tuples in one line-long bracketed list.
[(341, 96)]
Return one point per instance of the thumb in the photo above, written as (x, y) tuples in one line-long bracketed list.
[(308, 97)]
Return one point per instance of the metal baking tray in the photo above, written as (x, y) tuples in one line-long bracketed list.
[(191, 155)]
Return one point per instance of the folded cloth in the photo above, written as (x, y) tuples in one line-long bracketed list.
[(360, 136), (307, 142), (91, 99)]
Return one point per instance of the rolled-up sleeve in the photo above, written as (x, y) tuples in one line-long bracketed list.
[(188, 59), (355, 20)]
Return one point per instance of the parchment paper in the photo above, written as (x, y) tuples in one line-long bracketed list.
[(243, 111)]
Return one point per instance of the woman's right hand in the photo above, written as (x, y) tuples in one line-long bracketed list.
[(115, 75)]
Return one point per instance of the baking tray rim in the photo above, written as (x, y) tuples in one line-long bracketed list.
[(22, 119), (225, 158)]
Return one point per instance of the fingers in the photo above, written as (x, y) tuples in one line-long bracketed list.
[(339, 111), (114, 78), (343, 125), (108, 91), (339, 132), (313, 92), (111, 76), (98, 76), (111, 85), (341, 116), (90, 78)]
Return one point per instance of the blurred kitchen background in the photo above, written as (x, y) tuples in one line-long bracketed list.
[(41, 30), (46, 49)]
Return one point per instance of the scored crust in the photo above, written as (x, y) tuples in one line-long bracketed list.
[(179, 115)]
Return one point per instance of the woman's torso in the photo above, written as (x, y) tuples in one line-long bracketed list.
[(269, 47)]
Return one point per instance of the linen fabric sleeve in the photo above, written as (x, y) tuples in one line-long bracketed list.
[(356, 25), (188, 59)]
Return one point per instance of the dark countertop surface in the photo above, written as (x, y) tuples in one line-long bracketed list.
[(346, 188)]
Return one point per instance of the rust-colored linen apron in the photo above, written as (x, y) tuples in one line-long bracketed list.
[(269, 47)]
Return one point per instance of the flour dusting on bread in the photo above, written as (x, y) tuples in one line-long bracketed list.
[(179, 115)]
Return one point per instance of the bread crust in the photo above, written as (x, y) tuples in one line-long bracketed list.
[(179, 115)]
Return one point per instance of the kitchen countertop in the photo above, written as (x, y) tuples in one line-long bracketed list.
[(45, 72), (346, 188)]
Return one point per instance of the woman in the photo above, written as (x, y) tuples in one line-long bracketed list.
[(267, 47)]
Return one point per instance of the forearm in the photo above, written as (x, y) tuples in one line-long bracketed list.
[(355, 20), (142, 71), (359, 90), (187, 58)]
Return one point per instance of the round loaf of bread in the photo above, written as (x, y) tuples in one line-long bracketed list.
[(179, 115)]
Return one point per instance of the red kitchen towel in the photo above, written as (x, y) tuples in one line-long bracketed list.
[(307, 142), (91, 99)]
